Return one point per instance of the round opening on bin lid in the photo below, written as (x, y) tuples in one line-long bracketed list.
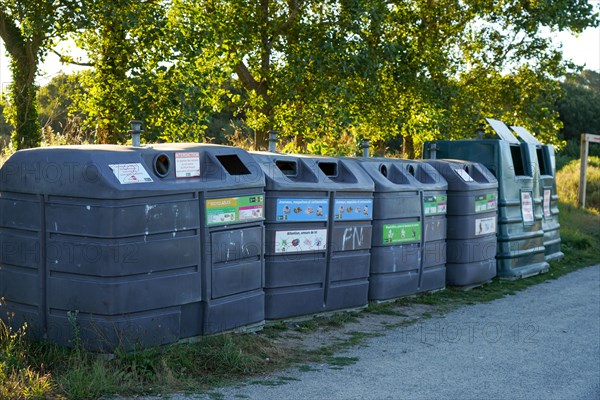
[(467, 169), (162, 165), (411, 170), (383, 170)]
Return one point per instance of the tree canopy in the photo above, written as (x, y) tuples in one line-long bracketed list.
[(324, 73)]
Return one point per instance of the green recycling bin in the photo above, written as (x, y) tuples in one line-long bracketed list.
[(520, 251), (547, 165)]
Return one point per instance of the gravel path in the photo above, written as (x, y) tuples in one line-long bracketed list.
[(542, 343)]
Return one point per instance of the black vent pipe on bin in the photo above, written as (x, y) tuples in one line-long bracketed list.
[(365, 146)]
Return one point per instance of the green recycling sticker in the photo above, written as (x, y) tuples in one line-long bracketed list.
[(485, 202), (231, 210), (435, 205), (402, 233)]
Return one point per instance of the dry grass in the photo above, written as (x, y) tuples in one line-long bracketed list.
[(567, 182)]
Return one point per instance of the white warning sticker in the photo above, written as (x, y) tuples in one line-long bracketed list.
[(130, 173), (547, 194), (483, 226), (187, 165), (527, 207), (300, 240)]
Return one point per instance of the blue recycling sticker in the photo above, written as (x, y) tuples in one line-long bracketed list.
[(302, 210), (354, 209)]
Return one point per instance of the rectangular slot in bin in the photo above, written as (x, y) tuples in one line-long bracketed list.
[(328, 168), (233, 164), (517, 159), (288, 168), (544, 170)]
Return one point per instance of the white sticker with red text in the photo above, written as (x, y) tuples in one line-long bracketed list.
[(130, 173), (527, 206), (547, 194), (187, 165)]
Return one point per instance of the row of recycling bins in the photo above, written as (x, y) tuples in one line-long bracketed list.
[(141, 246)]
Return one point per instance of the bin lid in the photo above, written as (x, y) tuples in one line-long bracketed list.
[(464, 175), (117, 172), (386, 176), (502, 130), (311, 173), (525, 135)]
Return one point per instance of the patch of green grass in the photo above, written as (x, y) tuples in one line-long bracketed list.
[(341, 361), (279, 381), (321, 322), (307, 368), (386, 308)]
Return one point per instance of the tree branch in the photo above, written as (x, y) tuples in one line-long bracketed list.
[(294, 6), (69, 60), (246, 77)]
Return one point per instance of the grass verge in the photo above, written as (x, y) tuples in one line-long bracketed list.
[(34, 370)]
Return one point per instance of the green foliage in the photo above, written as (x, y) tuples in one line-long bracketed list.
[(18, 380), (579, 106), (567, 182), (27, 28)]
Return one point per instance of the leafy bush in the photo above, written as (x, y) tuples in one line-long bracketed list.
[(567, 181)]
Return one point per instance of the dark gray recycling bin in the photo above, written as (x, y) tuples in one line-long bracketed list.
[(520, 248), (318, 234), (139, 246), (547, 165), (397, 260), (434, 201), (472, 218)]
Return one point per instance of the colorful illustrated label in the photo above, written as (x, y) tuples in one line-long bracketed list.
[(483, 226), (300, 240), (527, 207), (435, 205), (547, 195), (187, 165), (486, 202), (302, 209), (353, 209), (130, 173), (234, 209), (402, 233)]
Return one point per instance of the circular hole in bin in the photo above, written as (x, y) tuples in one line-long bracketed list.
[(467, 169), (411, 170), (383, 170), (162, 165)]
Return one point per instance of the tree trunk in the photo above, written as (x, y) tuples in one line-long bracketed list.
[(28, 132), (408, 146)]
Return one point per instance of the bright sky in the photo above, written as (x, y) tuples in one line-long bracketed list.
[(583, 49)]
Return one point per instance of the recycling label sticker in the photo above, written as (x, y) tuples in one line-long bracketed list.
[(484, 226), (353, 209), (402, 233), (302, 209), (435, 205), (234, 209), (298, 241), (486, 202), (130, 173)]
